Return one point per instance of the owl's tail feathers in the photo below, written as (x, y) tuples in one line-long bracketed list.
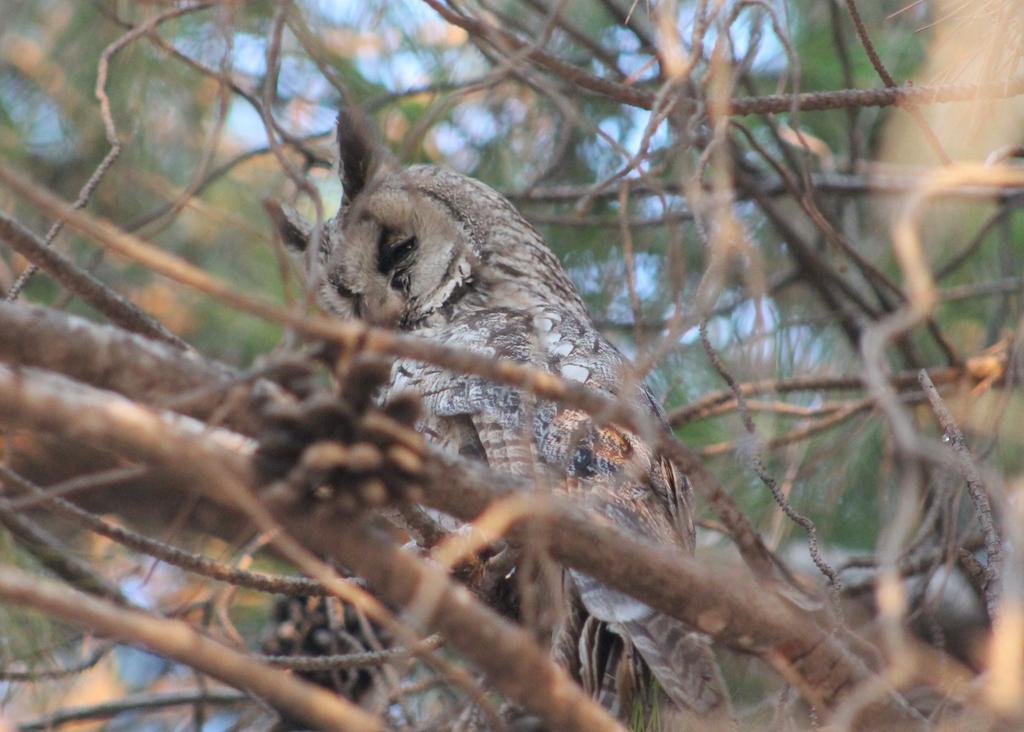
[(682, 663), (679, 659)]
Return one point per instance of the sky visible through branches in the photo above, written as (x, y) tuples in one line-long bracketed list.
[(832, 189)]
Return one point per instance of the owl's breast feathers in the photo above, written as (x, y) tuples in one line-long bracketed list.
[(614, 471)]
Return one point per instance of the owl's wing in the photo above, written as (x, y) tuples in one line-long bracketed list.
[(501, 420), (682, 663), (639, 492), (499, 415), (615, 474)]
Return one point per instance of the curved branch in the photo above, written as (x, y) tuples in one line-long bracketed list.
[(673, 584), (134, 703), (115, 306), (111, 358), (773, 104), (176, 640), (215, 463)]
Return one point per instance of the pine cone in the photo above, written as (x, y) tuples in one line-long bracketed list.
[(320, 626), (343, 449)]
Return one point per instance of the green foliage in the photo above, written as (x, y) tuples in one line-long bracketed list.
[(523, 130), (645, 716), (166, 113)]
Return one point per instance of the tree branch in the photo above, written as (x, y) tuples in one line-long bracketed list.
[(773, 104), (683, 588), (110, 358), (131, 703), (119, 309), (216, 464), (976, 488), (177, 641)]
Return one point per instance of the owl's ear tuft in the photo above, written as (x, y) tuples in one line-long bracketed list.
[(358, 152), (294, 230)]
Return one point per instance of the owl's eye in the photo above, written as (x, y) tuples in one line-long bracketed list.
[(389, 257), (400, 282)]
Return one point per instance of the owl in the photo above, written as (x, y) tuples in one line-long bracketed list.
[(445, 257)]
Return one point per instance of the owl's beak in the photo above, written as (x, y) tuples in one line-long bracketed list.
[(385, 310)]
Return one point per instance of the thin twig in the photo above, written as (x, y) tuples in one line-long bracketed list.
[(115, 306), (109, 127), (349, 661), (131, 703), (762, 472), (715, 400), (43, 674), (975, 488), (834, 419), (176, 640), (195, 563), (886, 77)]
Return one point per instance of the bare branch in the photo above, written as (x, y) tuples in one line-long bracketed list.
[(110, 358), (975, 487), (132, 703), (350, 660), (198, 564), (776, 104), (116, 307), (661, 578), (216, 465), (176, 640)]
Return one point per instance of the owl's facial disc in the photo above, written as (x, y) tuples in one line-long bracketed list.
[(396, 257), (398, 250)]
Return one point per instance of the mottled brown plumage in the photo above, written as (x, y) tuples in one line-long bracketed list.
[(446, 257)]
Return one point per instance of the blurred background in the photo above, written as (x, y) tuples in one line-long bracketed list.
[(779, 224)]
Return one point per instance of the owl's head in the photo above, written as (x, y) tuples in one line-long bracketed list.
[(411, 242)]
